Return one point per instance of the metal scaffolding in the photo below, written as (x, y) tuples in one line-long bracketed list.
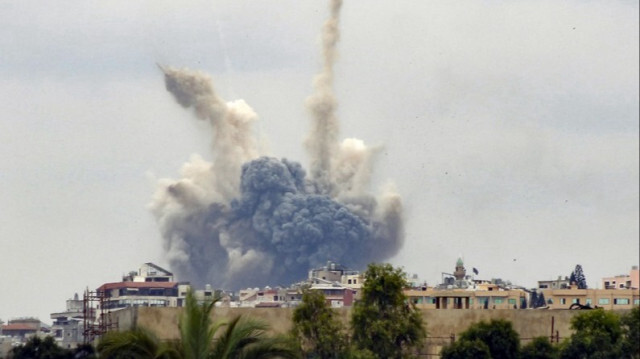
[(94, 302)]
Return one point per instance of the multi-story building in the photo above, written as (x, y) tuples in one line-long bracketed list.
[(594, 298), (618, 292), (24, 328), (333, 272), (560, 283), (340, 285), (68, 326), (461, 291), (432, 298), (623, 281), (150, 286)]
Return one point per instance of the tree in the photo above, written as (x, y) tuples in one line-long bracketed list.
[(541, 301), (498, 334), (315, 325), (631, 334), (38, 348), (577, 276), (466, 349), (200, 337), (137, 343), (597, 334), (494, 339), (534, 299), (384, 321), (539, 348)]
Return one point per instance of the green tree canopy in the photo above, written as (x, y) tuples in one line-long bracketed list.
[(541, 301), (498, 335), (466, 349), (315, 325), (39, 348), (539, 348), (578, 277), (631, 334), (597, 334), (384, 321)]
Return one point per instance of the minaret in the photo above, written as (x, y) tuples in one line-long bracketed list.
[(460, 272)]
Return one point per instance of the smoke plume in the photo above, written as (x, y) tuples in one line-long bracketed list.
[(246, 219)]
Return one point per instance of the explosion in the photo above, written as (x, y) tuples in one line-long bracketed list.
[(246, 219)]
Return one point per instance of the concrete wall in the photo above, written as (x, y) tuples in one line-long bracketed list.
[(441, 324)]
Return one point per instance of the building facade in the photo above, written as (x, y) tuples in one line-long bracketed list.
[(611, 299), (150, 286), (68, 326), (623, 281), (462, 291)]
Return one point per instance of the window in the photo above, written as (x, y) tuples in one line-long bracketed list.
[(603, 301), (588, 301), (497, 300), (563, 300), (575, 300), (621, 301), (348, 281), (636, 302), (549, 301), (512, 301)]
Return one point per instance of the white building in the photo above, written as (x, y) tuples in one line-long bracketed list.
[(68, 326)]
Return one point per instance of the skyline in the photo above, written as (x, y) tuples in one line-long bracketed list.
[(509, 130)]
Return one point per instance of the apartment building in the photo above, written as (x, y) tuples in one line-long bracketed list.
[(600, 298), (623, 281), (150, 286), (433, 298), (24, 328), (461, 291), (68, 326), (560, 283)]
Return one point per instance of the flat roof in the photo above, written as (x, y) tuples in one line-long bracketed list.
[(118, 285)]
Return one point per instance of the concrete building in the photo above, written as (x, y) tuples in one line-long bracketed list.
[(24, 328), (560, 283), (623, 281), (432, 298), (147, 294), (150, 286), (336, 295), (332, 272), (341, 285), (462, 291), (68, 326), (612, 299)]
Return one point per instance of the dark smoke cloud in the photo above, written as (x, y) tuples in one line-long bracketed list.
[(245, 219)]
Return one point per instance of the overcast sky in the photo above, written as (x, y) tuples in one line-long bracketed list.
[(511, 129)]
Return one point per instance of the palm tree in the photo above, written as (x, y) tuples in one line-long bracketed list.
[(200, 338)]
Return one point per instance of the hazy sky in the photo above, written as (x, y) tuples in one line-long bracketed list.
[(511, 129)]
